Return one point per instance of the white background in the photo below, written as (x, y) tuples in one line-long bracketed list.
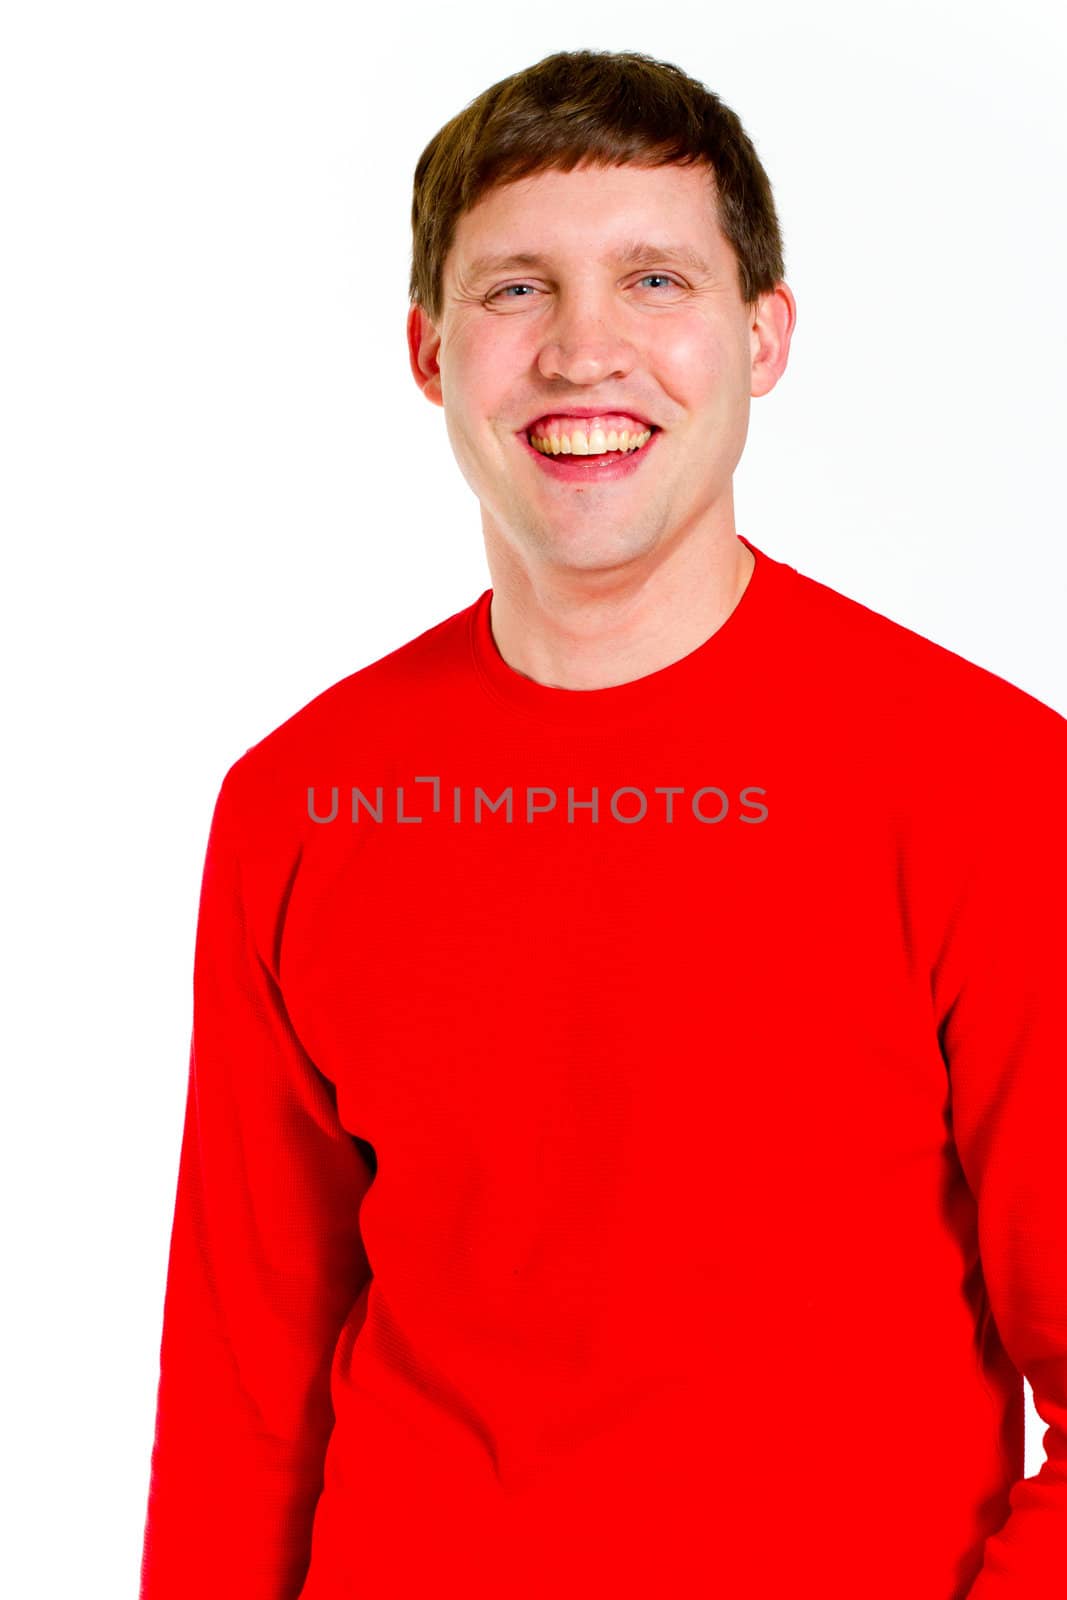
[(222, 492)]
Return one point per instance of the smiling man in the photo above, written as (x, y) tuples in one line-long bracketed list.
[(596, 392), (623, 1151)]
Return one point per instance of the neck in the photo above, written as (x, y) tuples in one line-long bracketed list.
[(581, 630)]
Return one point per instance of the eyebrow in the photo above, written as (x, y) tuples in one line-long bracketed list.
[(635, 252)]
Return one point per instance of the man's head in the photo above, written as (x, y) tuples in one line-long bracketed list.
[(570, 165)]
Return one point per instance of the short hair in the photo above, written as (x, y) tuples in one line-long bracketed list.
[(600, 108)]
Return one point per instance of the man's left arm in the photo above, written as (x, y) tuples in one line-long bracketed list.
[(1001, 993)]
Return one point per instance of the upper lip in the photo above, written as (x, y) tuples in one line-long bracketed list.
[(591, 411)]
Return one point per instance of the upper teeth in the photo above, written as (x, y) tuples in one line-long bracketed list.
[(576, 441)]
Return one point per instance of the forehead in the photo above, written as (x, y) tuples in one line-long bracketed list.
[(619, 215)]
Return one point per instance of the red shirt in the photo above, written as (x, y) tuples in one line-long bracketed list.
[(663, 1198)]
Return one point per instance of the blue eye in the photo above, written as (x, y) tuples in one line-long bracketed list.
[(508, 287)]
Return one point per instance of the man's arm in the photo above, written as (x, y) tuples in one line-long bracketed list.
[(265, 1264), (1003, 1007)]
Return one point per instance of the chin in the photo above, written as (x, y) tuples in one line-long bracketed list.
[(591, 552)]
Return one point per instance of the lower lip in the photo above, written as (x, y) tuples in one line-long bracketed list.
[(600, 468)]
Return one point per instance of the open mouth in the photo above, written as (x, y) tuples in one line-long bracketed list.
[(612, 455)]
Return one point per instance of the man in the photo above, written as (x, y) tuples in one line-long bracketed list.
[(624, 1142)]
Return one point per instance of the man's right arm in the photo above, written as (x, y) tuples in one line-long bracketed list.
[(266, 1263)]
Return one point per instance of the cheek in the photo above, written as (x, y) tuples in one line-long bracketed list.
[(712, 361), (479, 388), (485, 360), (693, 365)]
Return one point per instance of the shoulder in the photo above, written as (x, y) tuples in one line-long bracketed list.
[(358, 717), (891, 675)]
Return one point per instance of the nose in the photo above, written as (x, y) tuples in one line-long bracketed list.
[(584, 342)]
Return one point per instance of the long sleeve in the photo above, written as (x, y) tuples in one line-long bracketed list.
[(1004, 1037), (265, 1266)]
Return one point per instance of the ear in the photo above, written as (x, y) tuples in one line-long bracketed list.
[(771, 330), (424, 341)]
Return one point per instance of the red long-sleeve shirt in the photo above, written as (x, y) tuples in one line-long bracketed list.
[(659, 1197)]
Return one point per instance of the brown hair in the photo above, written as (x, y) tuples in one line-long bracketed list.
[(600, 108)]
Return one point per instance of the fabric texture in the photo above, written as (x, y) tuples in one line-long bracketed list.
[(625, 1133)]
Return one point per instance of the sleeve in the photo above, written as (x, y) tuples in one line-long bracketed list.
[(265, 1265), (1004, 1038)]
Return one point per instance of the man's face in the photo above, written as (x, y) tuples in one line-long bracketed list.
[(591, 325)]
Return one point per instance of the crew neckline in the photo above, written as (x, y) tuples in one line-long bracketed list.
[(652, 695)]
